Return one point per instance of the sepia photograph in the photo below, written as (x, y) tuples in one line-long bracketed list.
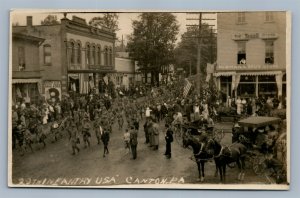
[(149, 99)]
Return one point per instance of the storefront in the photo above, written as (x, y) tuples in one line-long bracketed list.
[(26, 89), (89, 81), (252, 84), (82, 83)]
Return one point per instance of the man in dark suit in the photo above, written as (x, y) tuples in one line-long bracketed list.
[(133, 142), (105, 140), (169, 140)]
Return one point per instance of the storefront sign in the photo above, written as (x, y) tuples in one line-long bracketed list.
[(248, 36), (247, 67), (52, 90)]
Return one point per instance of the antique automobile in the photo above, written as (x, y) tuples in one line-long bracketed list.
[(265, 138)]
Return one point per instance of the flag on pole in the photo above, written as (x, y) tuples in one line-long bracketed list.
[(187, 87)]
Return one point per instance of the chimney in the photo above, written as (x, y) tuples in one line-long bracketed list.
[(29, 21)]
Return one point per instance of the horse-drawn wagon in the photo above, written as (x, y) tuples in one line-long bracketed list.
[(196, 128)]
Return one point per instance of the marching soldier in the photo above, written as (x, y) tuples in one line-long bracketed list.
[(133, 142), (86, 130), (74, 138)]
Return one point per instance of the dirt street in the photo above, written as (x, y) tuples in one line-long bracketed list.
[(54, 165)]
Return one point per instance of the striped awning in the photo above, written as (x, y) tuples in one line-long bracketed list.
[(262, 73), (258, 73), (30, 80), (217, 74)]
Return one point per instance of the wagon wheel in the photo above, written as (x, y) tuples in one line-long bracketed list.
[(259, 166), (219, 134)]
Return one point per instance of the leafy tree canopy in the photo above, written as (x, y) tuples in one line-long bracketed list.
[(153, 40), (50, 20), (186, 50), (107, 20)]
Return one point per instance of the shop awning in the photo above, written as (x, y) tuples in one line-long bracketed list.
[(91, 71), (217, 74), (259, 73), (19, 81), (263, 73)]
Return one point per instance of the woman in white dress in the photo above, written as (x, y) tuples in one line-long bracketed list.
[(239, 106)]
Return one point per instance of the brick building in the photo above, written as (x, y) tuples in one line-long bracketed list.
[(251, 54), (26, 72), (73, 57)]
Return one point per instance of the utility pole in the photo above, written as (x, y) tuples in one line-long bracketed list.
[(199, 40), (190, 67), (199, 37)]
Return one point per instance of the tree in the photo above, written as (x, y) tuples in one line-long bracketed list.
[(152, 43), (50, 20), (186, 51), (107, 20)]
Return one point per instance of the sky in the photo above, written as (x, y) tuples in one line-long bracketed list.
[(125, 20)]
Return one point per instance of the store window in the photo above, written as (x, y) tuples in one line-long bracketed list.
[(21, 58), (241, 17), (248, 79), (47, 55), (246, 87), (226, 83), (269, 55), (267, 86), (241, 52)]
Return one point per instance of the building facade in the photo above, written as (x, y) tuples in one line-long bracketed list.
[(125, 72), (26, 72), (251, 54), (74, 56)]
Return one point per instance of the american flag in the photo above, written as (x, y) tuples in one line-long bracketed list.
[(187, 87)]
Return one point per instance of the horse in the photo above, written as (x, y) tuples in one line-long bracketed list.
[(225, 155), (199, 151)]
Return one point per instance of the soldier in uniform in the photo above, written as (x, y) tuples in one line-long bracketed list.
[(86, 130), (97, 128), (74, 138), (133, 142)]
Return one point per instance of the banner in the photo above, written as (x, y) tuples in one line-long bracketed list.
[(52, 90), (187, 87)]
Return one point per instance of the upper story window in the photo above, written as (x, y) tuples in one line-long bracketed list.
[(269, 17), (241, 17), (93, 53), (99, 56), (110, 57), (88, 54), (106, 56), (79, 53), (241, 52), (72, 53), (269, 55), (47, 54), (21, 58)]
